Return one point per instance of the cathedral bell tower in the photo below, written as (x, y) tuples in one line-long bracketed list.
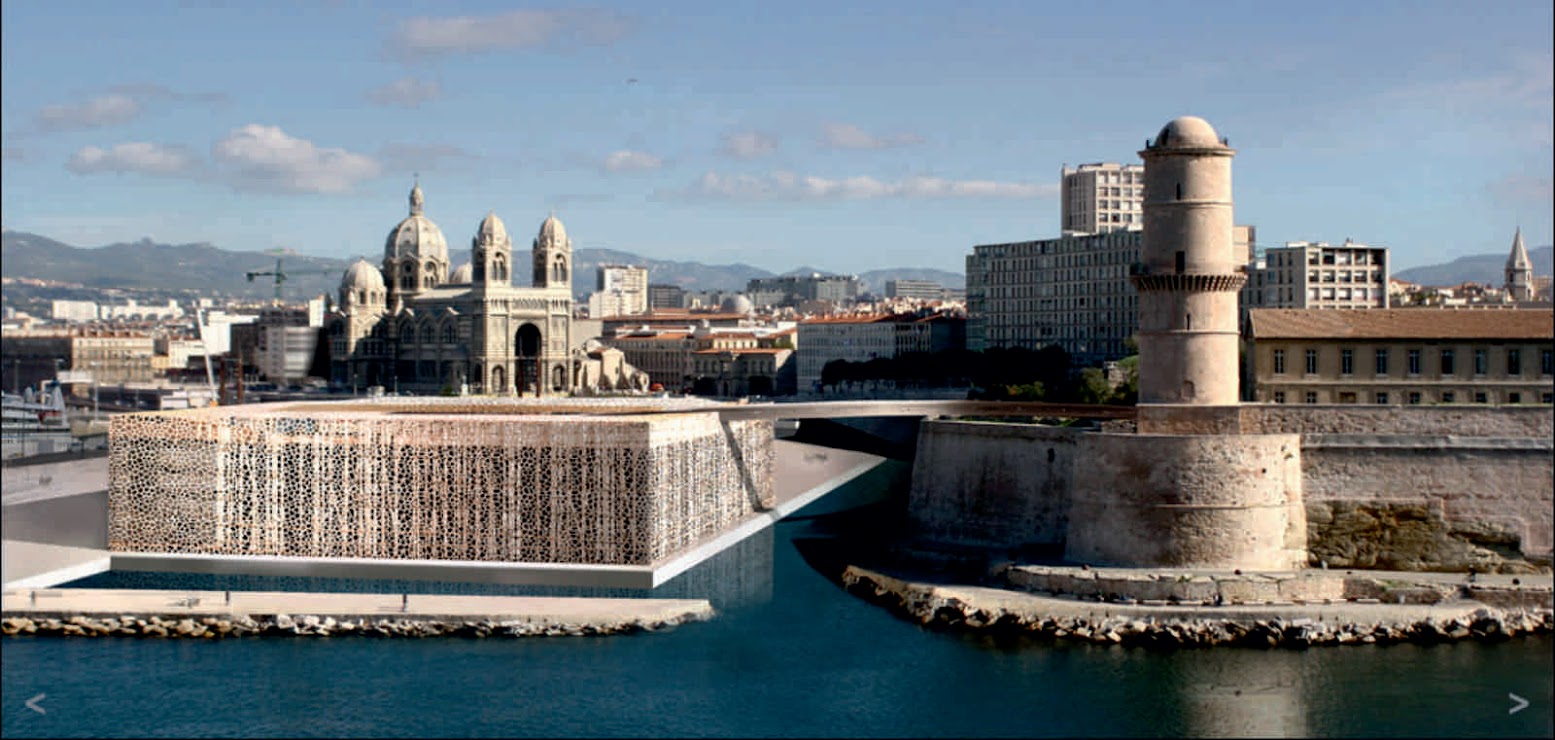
[(553, 256), (491, 254)]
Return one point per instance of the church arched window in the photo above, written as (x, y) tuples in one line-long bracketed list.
[(499, 270), (427, 334), (450, 333), (559, 270), (408, 334)]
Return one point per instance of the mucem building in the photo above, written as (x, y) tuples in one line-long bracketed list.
[(586, 481)]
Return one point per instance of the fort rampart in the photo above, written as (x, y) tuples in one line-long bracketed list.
[(1433, 488)]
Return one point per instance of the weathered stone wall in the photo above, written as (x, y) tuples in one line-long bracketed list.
[(1467, 421), (992, 484), (1429, 502), (431, 480), (1189, 501)]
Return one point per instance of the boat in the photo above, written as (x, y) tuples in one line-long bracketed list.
[(33, 424)]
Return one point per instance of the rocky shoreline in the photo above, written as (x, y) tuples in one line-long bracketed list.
[(242, 625), (1012, 613)]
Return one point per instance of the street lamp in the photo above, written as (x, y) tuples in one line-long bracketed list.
[(94, 390)]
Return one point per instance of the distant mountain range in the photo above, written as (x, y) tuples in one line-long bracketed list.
[(146, 265), (1478, 268)]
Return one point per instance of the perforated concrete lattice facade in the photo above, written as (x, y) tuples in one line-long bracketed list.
[(595, 481)]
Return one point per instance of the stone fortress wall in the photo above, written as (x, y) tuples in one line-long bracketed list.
[(517, 480), (1430, 488)]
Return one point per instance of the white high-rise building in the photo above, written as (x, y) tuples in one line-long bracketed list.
[(1102, 197), (622, 290)]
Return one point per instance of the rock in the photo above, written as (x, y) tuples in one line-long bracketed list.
[(184, 627), (284, 621)]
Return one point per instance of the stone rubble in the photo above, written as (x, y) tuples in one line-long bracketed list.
[(243, 625), (935, 609)]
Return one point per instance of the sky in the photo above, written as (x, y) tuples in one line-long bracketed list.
[(839, 136)]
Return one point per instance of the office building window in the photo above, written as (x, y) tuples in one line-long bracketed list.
[(1311, 396), (1449, 397), (1346, 361), (1312, 362), (1514, 362), (1481, 361), (1382, 399), (1546, 362), (1414, 398), (1382, 362), (1279, 396), (1347, 397), (1547, 398), (1279, 362), (1414, 362), (1514, 397), (1448, 362)]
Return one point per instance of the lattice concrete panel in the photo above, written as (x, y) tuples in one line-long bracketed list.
[(586, 481)]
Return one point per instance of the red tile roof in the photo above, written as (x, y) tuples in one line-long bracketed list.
[(1403, 323)]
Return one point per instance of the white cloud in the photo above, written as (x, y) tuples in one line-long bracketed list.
[(1518, 99), (785, 185), (630, 161), (104, 110), (849, 136), (139, 157), (517, 30), (748, 144), (122, 104), (1523, 190), (265, 157), (407, 92)]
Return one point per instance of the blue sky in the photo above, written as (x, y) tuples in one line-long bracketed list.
[(843, 136)]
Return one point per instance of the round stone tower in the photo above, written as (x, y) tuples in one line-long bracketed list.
[(1189, 278), (1189, 489)]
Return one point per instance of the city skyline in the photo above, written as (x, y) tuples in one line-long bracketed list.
[(779, 137)]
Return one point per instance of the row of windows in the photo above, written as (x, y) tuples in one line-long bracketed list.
[(1414, 361), (1415, 398)]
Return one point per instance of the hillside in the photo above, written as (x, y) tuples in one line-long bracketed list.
[(1478, 268), (149, 266)]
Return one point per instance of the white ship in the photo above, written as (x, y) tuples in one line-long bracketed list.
[(34, 423)]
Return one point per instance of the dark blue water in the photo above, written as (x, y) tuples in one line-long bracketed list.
[(789, 655)]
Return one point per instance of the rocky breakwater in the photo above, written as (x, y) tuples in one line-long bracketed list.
[(208, 615), (1010, 613), (240, 625)]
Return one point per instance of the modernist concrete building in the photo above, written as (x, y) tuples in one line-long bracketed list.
[(1316, 275), (413, 326), (792, 290), (1073, 292), (1408, 356), (1102, 197), (864, 338), (927, 290)]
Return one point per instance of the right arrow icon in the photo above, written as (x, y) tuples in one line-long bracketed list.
[(1518, 703)]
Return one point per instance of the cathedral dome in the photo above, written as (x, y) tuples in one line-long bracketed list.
[(1187, 132), (552, 232), (463, 275), (492, 230), (416, 236), (737, 303), (362, 275)]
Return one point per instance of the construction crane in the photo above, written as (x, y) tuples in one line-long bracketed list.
[(281, 275)]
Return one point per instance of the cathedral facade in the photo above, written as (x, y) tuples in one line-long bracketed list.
[(412, 325)]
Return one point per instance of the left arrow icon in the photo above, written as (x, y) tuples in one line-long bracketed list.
[(33, 704)]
